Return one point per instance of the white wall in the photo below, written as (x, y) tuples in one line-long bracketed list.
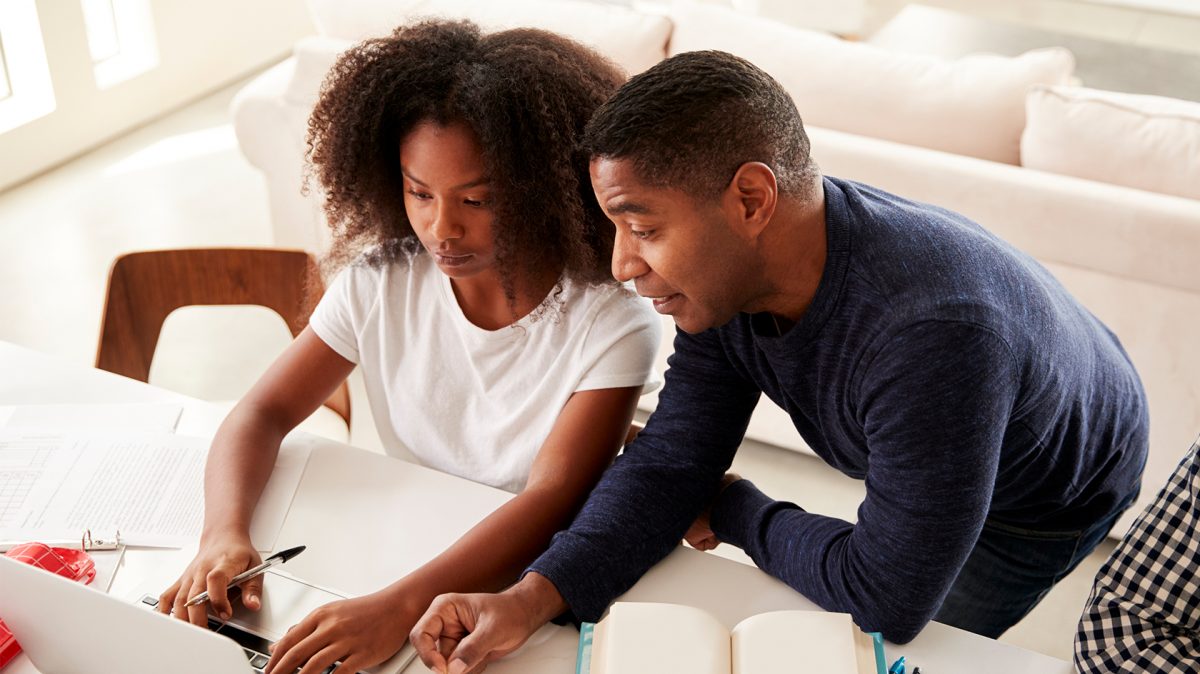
[(201, 45)]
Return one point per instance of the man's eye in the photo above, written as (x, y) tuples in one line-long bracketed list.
[(641, 233)]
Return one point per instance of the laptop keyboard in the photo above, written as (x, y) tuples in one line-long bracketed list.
[(254, 646)]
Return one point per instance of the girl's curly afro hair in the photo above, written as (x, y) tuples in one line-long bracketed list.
[(527, 94)]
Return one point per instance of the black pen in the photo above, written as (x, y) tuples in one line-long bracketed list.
[(274, 560)]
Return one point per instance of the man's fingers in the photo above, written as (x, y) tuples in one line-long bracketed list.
[(425, 636), (446, 646), (472, 652), (702, 541)]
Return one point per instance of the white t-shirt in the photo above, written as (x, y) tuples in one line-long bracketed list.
[(472, 402)]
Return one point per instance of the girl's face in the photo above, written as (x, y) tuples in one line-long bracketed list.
[(447, 196)]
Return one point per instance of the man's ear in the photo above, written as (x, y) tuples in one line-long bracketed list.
[(752, 196)]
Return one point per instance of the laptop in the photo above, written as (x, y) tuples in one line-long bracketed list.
[(68, 628)]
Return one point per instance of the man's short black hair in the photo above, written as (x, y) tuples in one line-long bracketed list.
[(691, 120)]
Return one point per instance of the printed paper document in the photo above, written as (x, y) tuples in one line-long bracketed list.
[(147, 486)]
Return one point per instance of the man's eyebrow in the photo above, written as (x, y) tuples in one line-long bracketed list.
[(484, 180), (623, 207)]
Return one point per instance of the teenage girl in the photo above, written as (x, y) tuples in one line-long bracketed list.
[(476, 296)]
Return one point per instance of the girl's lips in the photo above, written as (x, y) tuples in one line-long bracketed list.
[(453, 260)]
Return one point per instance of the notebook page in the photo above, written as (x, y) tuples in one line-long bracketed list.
[(646, 638), (785, 642)]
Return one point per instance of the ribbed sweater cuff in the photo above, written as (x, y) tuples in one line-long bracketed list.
[(576, 583), (736, 512)]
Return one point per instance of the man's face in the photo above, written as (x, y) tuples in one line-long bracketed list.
[(680, 252)]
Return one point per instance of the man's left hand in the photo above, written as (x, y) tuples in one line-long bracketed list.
[(700, 535)]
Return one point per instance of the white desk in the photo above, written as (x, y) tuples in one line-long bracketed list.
[(407, 514)]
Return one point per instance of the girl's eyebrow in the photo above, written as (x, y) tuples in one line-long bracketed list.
[(483, 180)]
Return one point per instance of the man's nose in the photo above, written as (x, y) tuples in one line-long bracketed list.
[(627, 263)]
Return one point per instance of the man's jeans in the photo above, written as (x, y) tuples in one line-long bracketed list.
[(1011, 569)]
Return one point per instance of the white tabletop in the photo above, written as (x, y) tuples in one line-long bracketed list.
[(405, 514)]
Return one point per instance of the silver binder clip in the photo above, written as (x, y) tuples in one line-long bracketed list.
[(88, 542)]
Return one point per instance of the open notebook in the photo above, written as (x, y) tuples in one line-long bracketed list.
[(644, 637)]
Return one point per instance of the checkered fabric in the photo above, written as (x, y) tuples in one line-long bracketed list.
[(74, 564), (1144, 611)]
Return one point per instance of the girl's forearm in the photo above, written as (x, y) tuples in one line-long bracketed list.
[(239, 464), (493, 553)]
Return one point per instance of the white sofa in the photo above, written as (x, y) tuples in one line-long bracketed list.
[(949, 133)]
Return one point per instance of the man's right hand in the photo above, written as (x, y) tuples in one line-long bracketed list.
[(462, 633), (221, 557)]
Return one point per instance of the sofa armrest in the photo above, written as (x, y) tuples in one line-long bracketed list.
[(259, 107)]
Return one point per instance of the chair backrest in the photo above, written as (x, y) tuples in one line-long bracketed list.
[(145, 287)]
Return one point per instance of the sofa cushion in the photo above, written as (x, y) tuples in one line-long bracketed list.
[(973, 106), (1148, 142), (634, 40)]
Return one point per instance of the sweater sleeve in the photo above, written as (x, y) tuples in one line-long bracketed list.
[(933, 405), (654, 490)]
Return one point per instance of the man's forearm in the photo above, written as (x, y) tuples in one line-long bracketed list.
[(653, 492), (634, 518), (839, 566)]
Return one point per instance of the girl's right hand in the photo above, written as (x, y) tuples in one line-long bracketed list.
[(220, 558)]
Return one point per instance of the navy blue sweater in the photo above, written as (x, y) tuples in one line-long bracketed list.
[(950, 371)]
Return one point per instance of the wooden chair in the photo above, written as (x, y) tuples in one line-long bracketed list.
[(144, 287)]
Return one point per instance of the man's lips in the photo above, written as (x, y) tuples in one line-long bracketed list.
[(663, 303)]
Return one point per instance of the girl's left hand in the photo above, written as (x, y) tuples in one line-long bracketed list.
[(359, 632)]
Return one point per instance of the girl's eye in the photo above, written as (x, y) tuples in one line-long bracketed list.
[(419, 195), (474, 202)]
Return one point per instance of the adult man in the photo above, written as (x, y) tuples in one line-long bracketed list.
[(1000, 428)]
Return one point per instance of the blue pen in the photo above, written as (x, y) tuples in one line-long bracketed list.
[(897, 666)]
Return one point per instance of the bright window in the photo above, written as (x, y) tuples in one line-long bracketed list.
[(120, 38), (26, 75), (5, 90), (101, 23)]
